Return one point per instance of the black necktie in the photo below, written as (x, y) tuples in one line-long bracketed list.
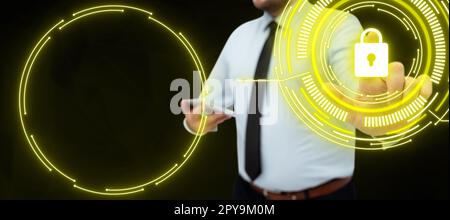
[(253, 132)]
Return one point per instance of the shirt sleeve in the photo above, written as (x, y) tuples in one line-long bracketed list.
[(217, 92), (341, 52), (341, 55), (218, 86)]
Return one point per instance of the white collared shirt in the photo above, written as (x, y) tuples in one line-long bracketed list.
[(293, 157)]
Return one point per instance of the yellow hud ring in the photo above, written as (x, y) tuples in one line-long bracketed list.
[(392, 106), (27, 70), (300, 22)]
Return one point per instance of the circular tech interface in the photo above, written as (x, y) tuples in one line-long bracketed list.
[(323, 96), (31, 72)]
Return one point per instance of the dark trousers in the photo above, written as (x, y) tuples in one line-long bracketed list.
[(243, 191)]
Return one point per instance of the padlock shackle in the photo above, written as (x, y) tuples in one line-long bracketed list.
[(380, 36)]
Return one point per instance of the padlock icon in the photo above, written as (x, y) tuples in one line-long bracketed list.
[(371, 59)]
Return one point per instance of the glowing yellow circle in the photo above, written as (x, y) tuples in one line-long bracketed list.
[(371, 110), (323, 127), (59, 26), (387, 97)]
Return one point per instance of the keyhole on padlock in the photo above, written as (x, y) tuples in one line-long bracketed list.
[(371, 58)]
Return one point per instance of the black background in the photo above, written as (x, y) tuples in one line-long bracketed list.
[(71, 106)]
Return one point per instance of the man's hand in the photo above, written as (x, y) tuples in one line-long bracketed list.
[(194, 115), (396, 82)]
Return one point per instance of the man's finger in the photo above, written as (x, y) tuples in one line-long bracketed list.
[(215, 118), (372, 86), (396, 80), (223, 119), (427, 88), (187, 110), (185, 106), (410, 85), (393, 83)]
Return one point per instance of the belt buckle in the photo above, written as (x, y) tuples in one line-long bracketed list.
[(265, 193), (292, 196), (297, 195)]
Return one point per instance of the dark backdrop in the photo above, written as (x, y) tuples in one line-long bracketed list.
[(86, 119)]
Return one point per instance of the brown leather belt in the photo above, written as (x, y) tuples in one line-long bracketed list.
[(312, 193)]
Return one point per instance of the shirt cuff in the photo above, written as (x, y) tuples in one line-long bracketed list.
[(186, 126)]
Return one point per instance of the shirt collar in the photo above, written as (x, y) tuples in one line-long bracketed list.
[(267, 18)]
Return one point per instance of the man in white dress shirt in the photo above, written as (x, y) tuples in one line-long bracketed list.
[(284, 159)]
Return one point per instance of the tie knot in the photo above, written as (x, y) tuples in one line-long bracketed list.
[(272, 26)]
